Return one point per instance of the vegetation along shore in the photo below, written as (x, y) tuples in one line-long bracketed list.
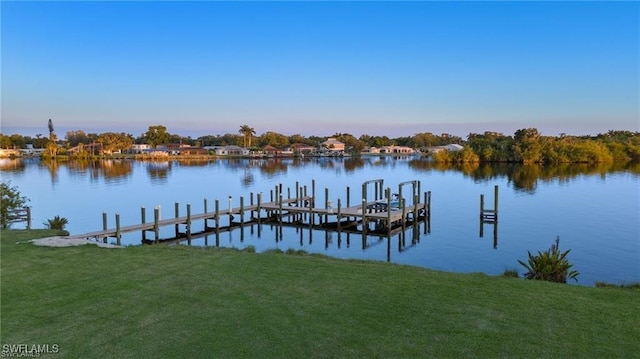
[(526, 145)]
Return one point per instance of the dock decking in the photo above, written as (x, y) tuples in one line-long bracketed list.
[(387, 216)]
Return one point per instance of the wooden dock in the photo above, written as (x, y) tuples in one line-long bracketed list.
[(384, 214)]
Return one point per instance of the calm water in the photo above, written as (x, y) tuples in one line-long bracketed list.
[(593, 209)]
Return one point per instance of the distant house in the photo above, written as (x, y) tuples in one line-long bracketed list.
[(9, 152), (172, 148), (193, 151), (302, 149), (400, 150), (93, 148), (231, 150), (370, 151), (140, 148), (332, 145), (270, 150), (454, 147)]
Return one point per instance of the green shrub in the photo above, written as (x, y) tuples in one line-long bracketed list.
[(10, 199), (510, 273), (56, 223), (550, 265)]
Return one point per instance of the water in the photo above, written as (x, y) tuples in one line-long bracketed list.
[(593, 209)]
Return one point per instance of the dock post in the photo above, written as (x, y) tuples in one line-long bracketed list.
[(259, 199), (495, 202), (403, 221), (348, 199), (429, 206), (188, 223), (416, 203), (28, 217), (306, 202), (310, 214), (104, 225), (118, 234), (388, 193), (280, 215), (481, 207), (177, 214), (143, 215), (156, 225), (338, 219), (241, 211), (217, 218), (205, 219), (313, 192), (251, 214), (326, 204), (364, 212)]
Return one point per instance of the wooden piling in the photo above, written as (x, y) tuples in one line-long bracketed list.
[(495, 202), (156, 226), (28, 217), (259, 199), (326, 204), (280, 214), (143, 219), (176, 209), (217, 218), (188, 229), (118, 234), (339, 217), (388, 194), (104, 225)]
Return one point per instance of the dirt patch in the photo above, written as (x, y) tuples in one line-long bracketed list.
[(59, 241)]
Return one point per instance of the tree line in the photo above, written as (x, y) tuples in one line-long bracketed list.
[(525, 146), (529, 146)]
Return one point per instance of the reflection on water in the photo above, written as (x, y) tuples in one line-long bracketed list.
[(537, 204), (524, 178)]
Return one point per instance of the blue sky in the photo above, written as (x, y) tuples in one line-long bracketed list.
[(319, 68)]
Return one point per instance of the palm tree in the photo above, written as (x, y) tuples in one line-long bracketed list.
[(247, 132)]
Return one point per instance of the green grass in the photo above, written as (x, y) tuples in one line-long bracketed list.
[(190, 302)]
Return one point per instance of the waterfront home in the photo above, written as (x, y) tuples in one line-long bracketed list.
[(230, 150), (396, 150), (138, 148), (332, 145), (9, 152), (193, 151), (302, 149), (454, 147), (370, 151)]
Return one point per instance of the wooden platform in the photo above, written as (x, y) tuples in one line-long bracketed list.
[(386, 215)]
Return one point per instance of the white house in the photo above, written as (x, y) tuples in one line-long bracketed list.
[(400, 150), (230, 151)]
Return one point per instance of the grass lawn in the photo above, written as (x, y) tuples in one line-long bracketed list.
[(190, 302)]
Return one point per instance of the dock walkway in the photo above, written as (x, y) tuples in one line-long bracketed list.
[(299, 211)]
